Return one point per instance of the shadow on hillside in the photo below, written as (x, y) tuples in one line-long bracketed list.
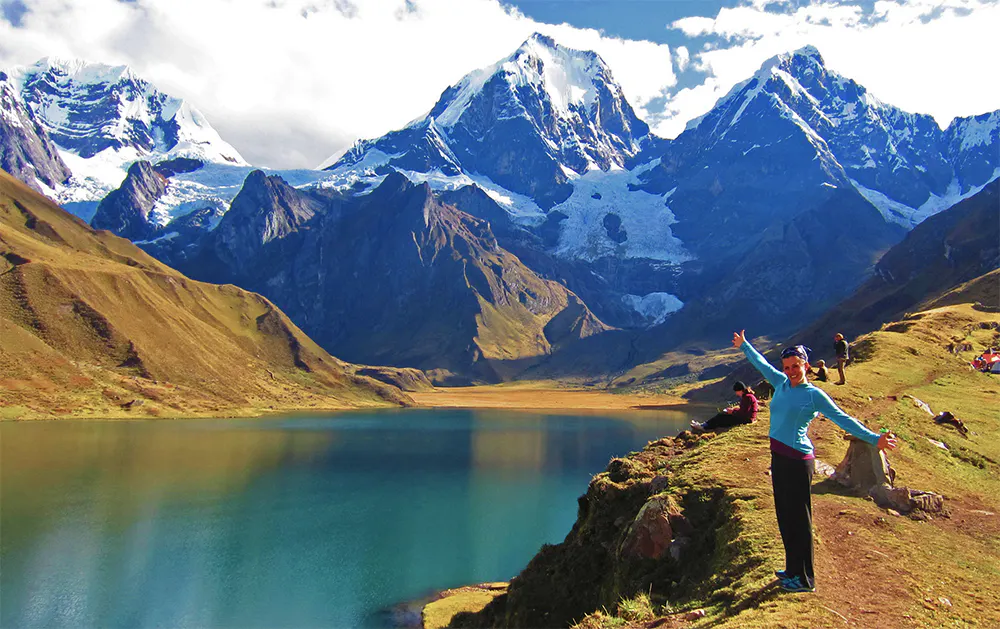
[(833, 488), (598, 358), (754, 599), (601, 359)]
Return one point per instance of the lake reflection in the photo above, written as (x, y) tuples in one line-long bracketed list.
[(294, 522)]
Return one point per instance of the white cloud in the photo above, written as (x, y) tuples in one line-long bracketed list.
[(924, 56), (682, 56), (289, 82)]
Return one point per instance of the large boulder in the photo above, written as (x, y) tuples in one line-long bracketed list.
[(866, 469), (652, 531), (906, 500)]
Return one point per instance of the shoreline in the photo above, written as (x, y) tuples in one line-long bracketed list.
[(530, 397), (526, 397)]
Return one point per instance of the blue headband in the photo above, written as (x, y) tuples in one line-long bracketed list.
[(796, 350)]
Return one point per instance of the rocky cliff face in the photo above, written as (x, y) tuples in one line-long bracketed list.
[(793, 273), (266, 209), (127, 211), (634, 533), (26, 151), (949, 248)]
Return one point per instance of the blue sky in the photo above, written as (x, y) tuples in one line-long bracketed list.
[(290, 82), (629, 19)]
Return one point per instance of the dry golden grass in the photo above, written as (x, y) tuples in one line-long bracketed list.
[(90, 323), (539, 396), (438, 613)]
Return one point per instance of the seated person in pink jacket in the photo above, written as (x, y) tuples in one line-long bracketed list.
[(745, 413)]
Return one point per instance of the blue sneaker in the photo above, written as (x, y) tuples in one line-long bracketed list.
[(781, 574), (796, 584)]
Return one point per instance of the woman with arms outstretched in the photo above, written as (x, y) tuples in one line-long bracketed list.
[(794, 405)]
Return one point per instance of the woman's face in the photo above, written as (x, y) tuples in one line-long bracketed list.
[(795, 368), (739, 394)]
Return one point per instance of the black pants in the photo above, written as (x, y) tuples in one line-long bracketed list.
[(792, 482), (724, 420)]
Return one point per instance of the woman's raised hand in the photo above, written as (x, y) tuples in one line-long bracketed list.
[(739, 338), (887, 441)]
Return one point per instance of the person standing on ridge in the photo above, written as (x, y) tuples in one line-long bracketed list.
[(843, 355), (794, 405)]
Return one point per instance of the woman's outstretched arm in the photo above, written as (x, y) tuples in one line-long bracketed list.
[(775, 377), (830, 410)]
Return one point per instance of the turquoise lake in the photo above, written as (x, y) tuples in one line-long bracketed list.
[(285, 522)]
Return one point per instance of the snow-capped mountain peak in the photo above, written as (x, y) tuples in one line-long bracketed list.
[(529, 123), (567, 78), (903, 163), (805, 57), (101, 119), (89, 107), (85, 72), (784, 70)]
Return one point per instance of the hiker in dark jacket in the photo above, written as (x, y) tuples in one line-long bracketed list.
[(745, 413), (843, 355), (794, 405)]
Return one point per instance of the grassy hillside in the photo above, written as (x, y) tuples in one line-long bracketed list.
[(874, 569), (90, 325)]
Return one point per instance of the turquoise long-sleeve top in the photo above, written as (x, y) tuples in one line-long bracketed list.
[(793, 408)]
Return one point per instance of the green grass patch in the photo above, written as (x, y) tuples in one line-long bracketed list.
[(874, 569)]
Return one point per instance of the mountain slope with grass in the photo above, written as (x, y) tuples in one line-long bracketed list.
[(875, 568), (93, 326)]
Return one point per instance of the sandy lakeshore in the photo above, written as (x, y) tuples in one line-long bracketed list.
[(533, 397)]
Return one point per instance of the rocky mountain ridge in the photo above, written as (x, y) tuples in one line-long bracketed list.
[(126, 211), (769, 209), (26, 151), (394, 277), (904, 163)]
